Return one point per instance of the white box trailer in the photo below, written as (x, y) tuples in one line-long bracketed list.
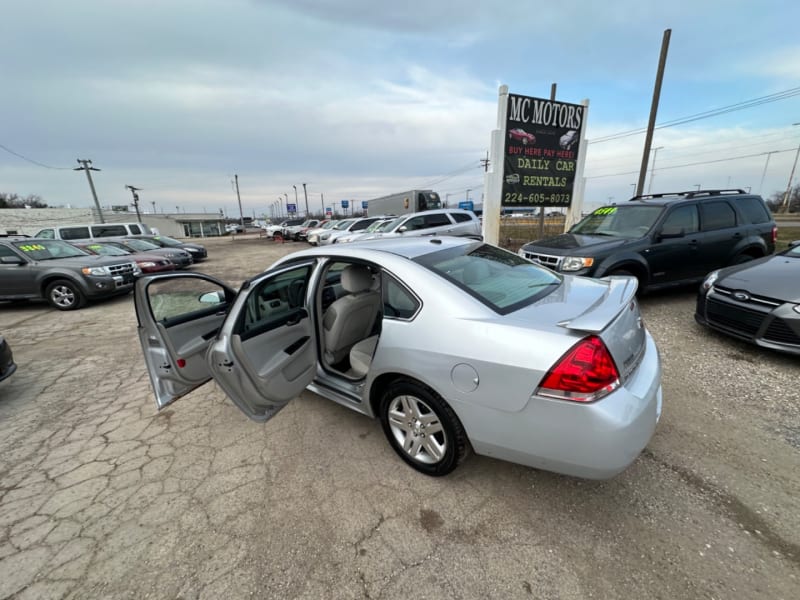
[(404, 202)]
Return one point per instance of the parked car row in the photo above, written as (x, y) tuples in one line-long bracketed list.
[(722, 238), (453, 222), (68, 275)]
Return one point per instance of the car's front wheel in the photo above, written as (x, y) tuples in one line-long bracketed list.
[(64, 295), (422, 428)]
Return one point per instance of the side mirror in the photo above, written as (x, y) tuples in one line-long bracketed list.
[(12, 260), (217, 297), (403, 229)]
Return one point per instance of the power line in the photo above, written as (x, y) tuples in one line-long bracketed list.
[(34, 162), (705, 115), (693, 164)]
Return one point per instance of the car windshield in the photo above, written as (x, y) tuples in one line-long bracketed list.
[(375, 226), (106, 249), (500, 279), (141, 245), (167, 241), (329, 225), (393, 224), (49, 249), (794, 251), (619, 221), (343, 224)]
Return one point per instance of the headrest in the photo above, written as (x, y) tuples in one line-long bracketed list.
[(356, 278)]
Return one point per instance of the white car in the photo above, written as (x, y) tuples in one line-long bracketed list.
[(375, 227), (271, 230), (346, 227), (445, 221)]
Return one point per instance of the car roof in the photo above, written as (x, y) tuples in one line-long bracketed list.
[(664, 198), (407, 247)]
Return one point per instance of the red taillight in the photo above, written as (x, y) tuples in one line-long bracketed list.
[(181, 363), (585, 373), (774, 234)]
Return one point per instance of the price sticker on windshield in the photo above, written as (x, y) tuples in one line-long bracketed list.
[(606, 210), (31, 247)]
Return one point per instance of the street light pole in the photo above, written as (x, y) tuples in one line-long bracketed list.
[(295, 198), (305, 194)]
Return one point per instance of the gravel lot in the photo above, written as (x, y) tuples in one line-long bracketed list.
[(102, 497)]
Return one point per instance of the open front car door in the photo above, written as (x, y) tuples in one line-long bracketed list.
[(259, 348)]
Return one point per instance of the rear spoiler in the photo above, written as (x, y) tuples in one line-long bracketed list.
[(621, 291)]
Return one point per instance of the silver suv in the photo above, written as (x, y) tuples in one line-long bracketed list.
[(443, 221), (60, 273)]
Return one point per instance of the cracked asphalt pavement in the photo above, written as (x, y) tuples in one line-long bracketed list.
[(101, 496)]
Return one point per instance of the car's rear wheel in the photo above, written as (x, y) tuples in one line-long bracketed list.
[(422, 428), (64, 295)]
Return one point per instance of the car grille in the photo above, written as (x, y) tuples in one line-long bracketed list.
[(779, 332), (738, 318), (762, 301), (125, 271), (548, 260)]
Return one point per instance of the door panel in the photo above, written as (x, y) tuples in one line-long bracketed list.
[(179, 315), (266, 352)]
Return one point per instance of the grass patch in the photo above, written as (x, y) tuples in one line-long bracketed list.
[(786, 235)]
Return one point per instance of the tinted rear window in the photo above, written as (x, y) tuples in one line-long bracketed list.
[(460, 217), (501, 280), (753, 210), (74, 233), (717, 215), (108, 230)]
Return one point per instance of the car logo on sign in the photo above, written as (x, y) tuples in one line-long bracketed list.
[(741, 296)]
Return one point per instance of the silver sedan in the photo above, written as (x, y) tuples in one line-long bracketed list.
[(452, 344)]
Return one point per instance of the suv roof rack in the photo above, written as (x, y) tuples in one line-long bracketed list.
[(689, 194)]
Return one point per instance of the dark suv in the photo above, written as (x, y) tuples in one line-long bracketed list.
[(62, 274), (662, 239)]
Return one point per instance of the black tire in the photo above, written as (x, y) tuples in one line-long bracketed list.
[(64, 294), (407, 409)]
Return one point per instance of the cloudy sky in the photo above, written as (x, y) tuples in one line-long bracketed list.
[(359, 98)]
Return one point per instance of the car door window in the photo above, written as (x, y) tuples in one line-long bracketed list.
[(398, 301), (683, 219), (182, 299), (415, 223), (437, 220), (717, 215), (460, 217), (74, 233), (274, 302)]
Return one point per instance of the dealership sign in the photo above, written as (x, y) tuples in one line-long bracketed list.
[(542, 138)]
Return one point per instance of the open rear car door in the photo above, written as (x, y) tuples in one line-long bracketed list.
[(259, 346)]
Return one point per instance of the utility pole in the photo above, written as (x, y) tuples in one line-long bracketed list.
[(153, 202), (764, 174), (296, 203), (135, 201), (785, 203), (553, 89), (86, 165), (322, 201), (485, 162), (648, 140), (653, 167), (239, 198), (305, 193)]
